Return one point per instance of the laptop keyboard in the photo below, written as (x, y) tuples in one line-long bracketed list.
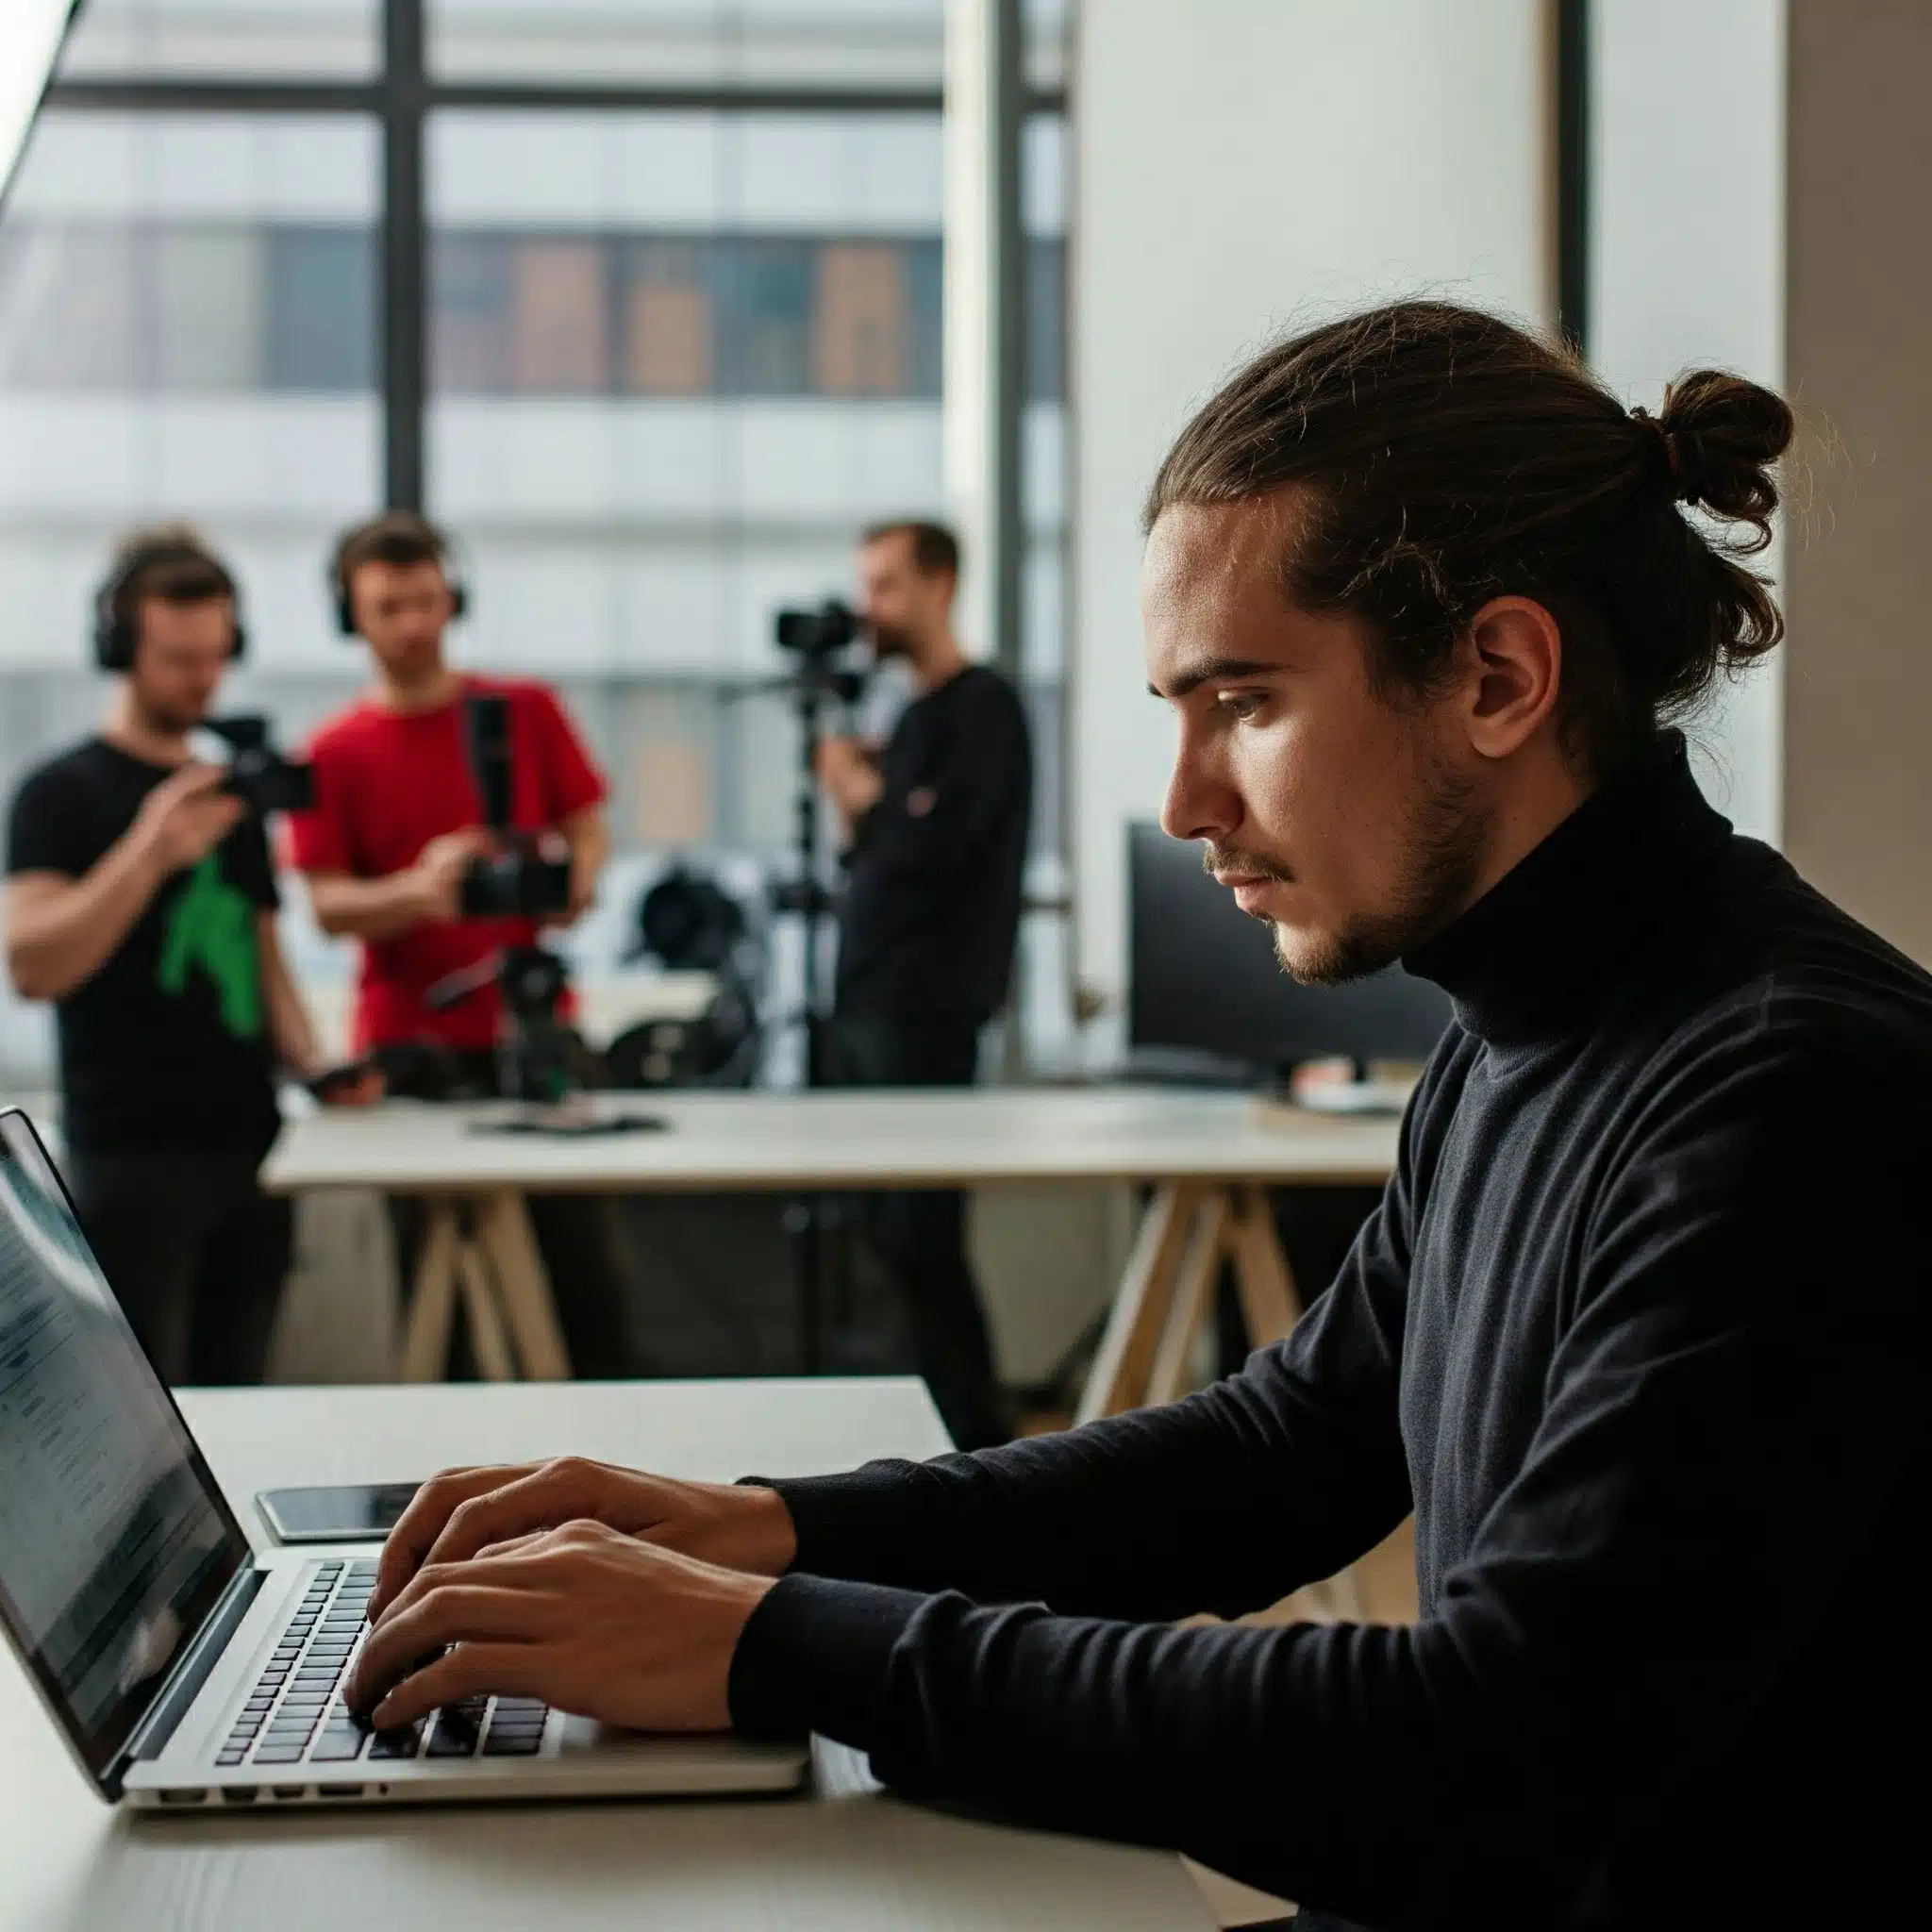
[(296, 1714)]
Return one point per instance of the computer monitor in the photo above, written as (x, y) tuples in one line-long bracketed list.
[(31, 32), (1208, 996)]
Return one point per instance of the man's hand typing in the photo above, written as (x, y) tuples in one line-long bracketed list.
[(585, 1617), (463, 1512)]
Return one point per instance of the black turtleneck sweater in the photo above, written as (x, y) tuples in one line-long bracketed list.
[(1638, 1331)]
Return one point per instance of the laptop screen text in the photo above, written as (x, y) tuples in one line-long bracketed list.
[(114, 1542)]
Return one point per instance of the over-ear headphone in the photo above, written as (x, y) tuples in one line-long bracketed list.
[(117, 631), (367, 543)]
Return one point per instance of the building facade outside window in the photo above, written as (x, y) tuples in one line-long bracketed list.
[(677, 355)]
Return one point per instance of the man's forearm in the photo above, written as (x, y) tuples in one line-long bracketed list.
[(1151, 1514), (588, 834), (347, 907), (59, 937), (1308, 1759), (289, 1031)]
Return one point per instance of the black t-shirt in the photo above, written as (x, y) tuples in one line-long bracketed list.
[(167, 1044), (932, 901)]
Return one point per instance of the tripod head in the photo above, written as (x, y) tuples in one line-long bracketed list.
[(537, 1054)]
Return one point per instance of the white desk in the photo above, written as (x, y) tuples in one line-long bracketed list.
[(845, 1858), (1207, 1155)]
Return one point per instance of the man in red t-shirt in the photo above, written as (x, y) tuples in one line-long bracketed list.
[(398, 822)]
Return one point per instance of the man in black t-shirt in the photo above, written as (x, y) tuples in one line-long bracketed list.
[(141, 901), (936, 821)]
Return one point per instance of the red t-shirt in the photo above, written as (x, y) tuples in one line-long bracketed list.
[(388, 782)]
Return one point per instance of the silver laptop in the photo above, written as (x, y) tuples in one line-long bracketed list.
[(186, 1673)]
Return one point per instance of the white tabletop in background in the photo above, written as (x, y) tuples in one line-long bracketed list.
[(846, 1140), (845, 1858)]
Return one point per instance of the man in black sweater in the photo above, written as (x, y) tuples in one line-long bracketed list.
[(1636, 1330), (936, 821)]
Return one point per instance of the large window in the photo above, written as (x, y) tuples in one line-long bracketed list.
[(642, 297), (188, 316)]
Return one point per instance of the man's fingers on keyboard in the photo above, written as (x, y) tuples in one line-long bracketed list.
[(517, 1545), (470, 1670), (419, 1526), (449, 1613), (532, 1501), (515, 1569)]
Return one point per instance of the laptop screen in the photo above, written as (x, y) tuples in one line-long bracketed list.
[(114, 1541)]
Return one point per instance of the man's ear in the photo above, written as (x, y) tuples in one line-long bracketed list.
[(1516, 667)]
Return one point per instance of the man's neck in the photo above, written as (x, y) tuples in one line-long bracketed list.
[(129, 728), (1544, 795), (938, 665), (427, 691)]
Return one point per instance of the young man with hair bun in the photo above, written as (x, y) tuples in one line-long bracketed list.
[(1638, 1332)]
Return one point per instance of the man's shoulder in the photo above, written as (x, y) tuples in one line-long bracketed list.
[(81, 763), (521, 691), (987, 684), (65, 782), (1802, 973), (67, 810), (1789, 1003), (355, 723), (985, 698)]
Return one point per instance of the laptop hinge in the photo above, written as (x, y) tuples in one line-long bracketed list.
[(191, 1670)]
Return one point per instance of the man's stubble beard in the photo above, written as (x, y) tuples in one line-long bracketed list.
[(889, 643), (161, 722), (1446, 836)]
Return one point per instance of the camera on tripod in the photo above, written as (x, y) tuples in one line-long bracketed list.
[(537, 1054), (822, 633), (527, 876), (258, 774), (817, 637)]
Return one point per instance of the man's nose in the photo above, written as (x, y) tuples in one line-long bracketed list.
[(1200, 804)]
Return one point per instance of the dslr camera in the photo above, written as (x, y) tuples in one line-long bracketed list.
[(259, 774), (819, 634), (527, 876), (816, 638)]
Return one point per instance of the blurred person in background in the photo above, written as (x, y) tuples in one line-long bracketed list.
[(936, 821), (398, 823), (141, 902)]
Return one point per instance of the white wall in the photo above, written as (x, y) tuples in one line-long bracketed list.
[(1241, 166), (1686, 268)]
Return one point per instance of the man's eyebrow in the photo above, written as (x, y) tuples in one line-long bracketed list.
[(1214, 671)]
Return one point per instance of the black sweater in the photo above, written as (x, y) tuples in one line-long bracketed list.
[(933, 877), (1640, 1331)]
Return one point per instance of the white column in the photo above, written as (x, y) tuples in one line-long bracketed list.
[(983, 326), (1243, 167), (1687, 269), (1857, 781)]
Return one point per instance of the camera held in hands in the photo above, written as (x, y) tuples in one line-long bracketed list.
[(521, 883), (527, 876), (259, 775)]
